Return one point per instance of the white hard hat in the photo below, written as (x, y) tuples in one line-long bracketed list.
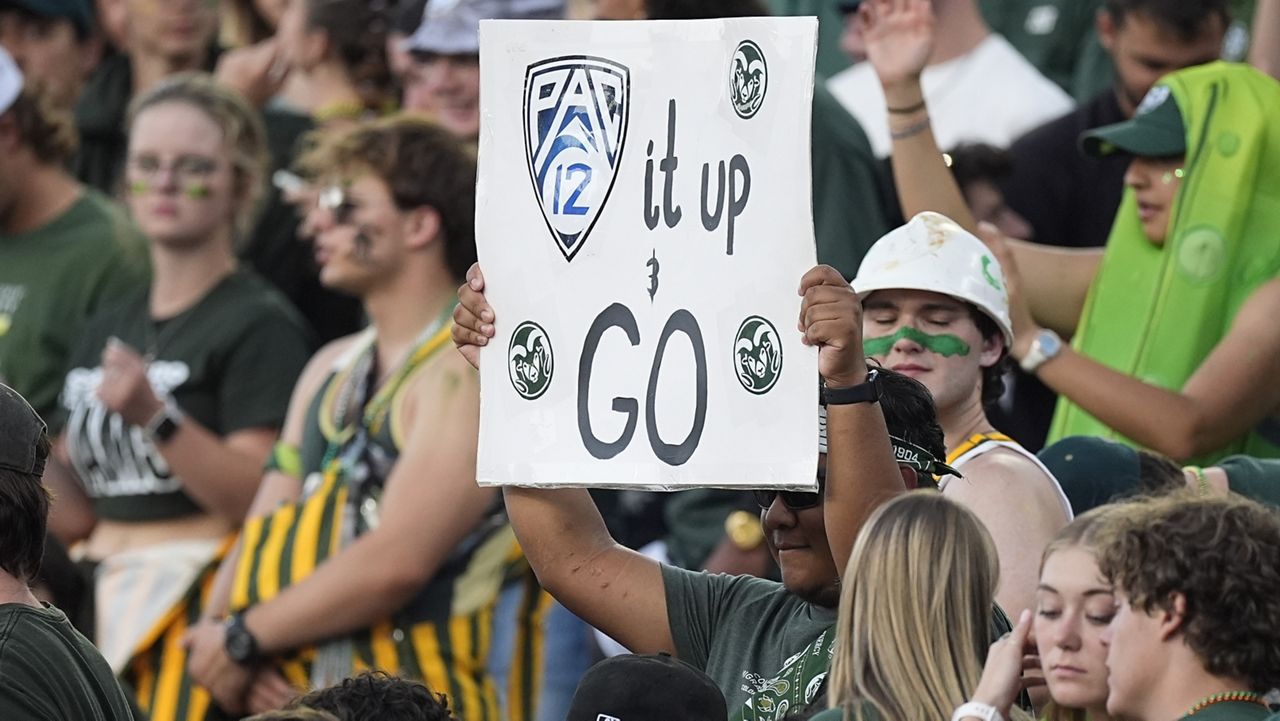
[(931, 252), (10, 80)]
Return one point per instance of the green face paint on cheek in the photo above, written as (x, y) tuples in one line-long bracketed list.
[(944, 345), (197, 191), (138, 187)]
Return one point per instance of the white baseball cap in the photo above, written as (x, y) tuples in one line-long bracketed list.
[(10, 80), (933, 253), (452, 27)]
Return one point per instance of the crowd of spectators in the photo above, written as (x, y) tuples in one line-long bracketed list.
[(240, 317)]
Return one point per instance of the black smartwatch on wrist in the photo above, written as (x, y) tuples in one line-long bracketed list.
[(867, 391), (240, 644)]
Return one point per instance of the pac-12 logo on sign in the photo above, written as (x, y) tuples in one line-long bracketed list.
[(575, 125)]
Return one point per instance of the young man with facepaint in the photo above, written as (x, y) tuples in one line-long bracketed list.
[(935, 307), (369, 544)]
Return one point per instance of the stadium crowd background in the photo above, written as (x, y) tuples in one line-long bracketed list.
[(238, 290)]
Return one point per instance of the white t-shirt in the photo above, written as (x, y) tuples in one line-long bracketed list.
[(990, 95)]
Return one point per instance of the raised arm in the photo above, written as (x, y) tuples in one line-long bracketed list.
[(1232, 391), (899, 40), (861, 473), (613, 588)]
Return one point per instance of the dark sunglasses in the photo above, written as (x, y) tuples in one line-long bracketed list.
[(793, 500)]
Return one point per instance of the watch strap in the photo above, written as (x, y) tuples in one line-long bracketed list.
[(1045, 346), (976, 709), (164, 424), (239, 642), (867, 391)]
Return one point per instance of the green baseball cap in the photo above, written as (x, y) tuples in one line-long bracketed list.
[(79, 12), (1156, 130)]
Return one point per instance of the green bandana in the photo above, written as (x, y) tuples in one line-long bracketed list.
[(1156, 313), (944, 344)]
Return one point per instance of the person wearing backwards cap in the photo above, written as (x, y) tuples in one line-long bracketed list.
[(935, 308), (48, 671), (1176, 344), (55, 42)]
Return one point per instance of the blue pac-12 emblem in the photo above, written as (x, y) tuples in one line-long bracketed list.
[(575, 112)]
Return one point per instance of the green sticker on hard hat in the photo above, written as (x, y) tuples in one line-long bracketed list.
[(986, 273)]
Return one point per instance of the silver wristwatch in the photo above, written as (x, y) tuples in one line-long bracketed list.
[(1046, 345)]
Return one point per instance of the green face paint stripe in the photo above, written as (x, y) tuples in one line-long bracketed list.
[(197, 191), (138, 187), (945, 344)]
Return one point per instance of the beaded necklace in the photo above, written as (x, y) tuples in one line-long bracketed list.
[(1226, 697)]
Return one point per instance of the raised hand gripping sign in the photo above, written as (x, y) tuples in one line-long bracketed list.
[(643, 220)]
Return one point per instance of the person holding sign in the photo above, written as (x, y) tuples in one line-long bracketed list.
[(369, 543), (935, 308), (741, 630)]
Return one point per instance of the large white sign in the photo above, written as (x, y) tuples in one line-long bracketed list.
[(643, 220)]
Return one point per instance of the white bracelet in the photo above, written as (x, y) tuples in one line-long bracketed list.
[(978, 710)]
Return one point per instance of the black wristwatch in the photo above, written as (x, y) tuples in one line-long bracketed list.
[(867, 391), (165, 423), (240, 644)]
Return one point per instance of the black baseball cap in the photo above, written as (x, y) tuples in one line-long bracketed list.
[(21, 429), (79, 12), (1156, 130), (655, 687)]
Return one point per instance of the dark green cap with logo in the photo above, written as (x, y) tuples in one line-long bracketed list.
[(1156, 130), (78, 12)]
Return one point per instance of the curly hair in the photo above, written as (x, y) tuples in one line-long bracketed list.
[(422, 164), (1219, 555), (377, 696)]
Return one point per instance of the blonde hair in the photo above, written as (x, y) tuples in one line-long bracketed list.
[(915, 611), (1081, 533), (242, 132)]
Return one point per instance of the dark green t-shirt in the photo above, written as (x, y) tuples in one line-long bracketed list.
[(51, 280), (49, 672), (230, 362), (741, 630)]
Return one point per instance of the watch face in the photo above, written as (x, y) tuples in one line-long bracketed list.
[(1050, 343), (239, 645)]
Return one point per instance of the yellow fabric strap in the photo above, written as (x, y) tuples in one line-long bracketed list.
[(974, 441), (284, 458)]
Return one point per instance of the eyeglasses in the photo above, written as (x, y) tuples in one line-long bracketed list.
[(793, 500), (187, 170)]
